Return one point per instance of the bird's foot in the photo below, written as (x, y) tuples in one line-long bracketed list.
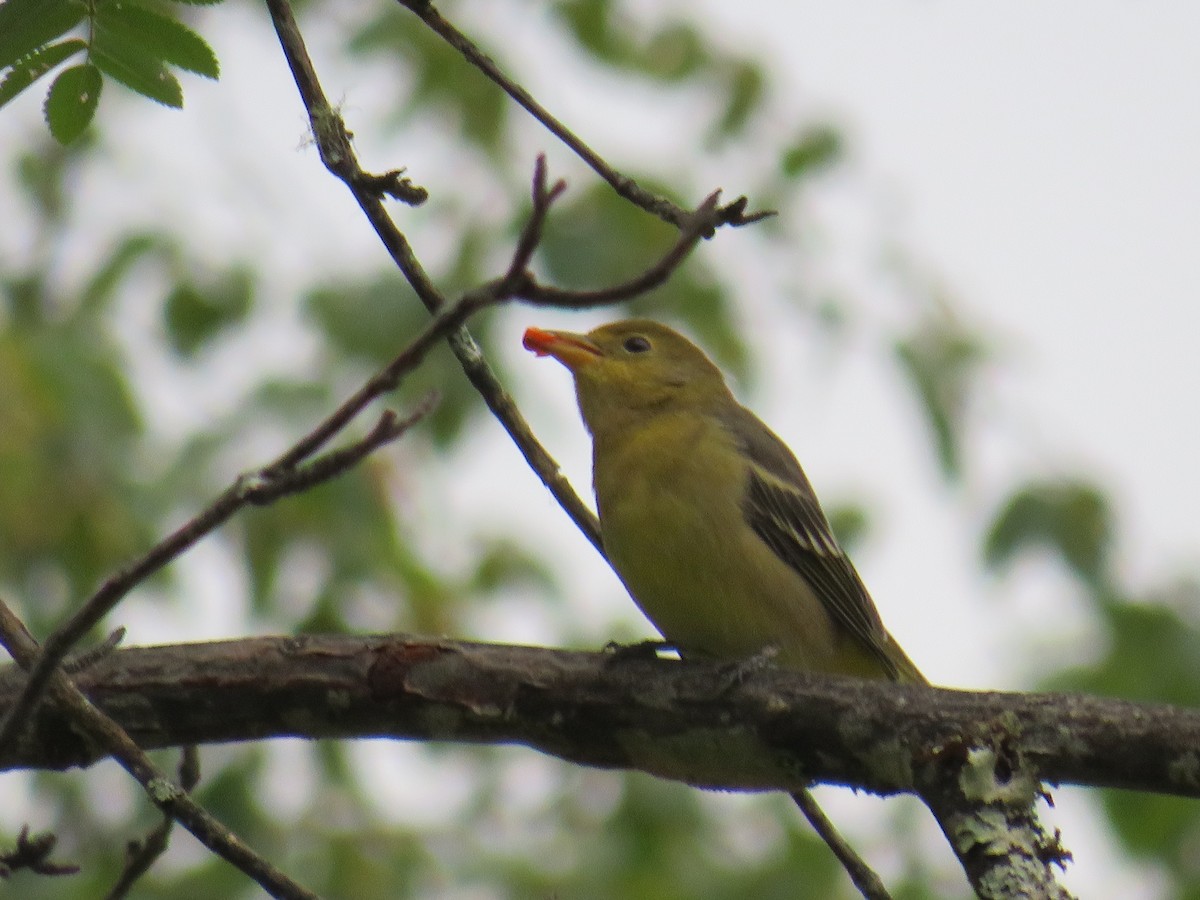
[(641, 650)]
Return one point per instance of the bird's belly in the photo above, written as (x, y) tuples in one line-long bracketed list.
[(708, 584)]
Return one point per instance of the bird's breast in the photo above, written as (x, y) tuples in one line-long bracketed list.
[(670, 501)]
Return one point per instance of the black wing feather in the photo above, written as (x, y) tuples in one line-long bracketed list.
[(786, 515)]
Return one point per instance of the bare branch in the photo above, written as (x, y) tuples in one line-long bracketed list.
[(286, 476), (869, 884), (793, 728), (983, 794), (141, 855), (976, 759), (392, 184), (275, 481), (732, 214), (531, 234)]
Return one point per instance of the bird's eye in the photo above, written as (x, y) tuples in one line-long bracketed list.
[(636, 344)]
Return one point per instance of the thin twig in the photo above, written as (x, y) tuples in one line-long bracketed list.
[(33, 853), (77, 662), (268, 484), (165, 794), (868, 883), (141, 855), (285, 476), (732, 214), (531, 235), (698, 223)]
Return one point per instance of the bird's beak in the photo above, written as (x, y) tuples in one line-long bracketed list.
[(572, 350)]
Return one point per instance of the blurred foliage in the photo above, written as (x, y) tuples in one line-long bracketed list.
[(438, 79), (195, 314), (850, 523), (942, 359), (89, 482), (1071, 520), (671, 53), (71, 505), (815, 148)]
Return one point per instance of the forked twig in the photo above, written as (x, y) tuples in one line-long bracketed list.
[(276, 480), (33, 853), (142, 854)]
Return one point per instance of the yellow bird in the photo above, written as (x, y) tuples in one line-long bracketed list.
[(707, 516)]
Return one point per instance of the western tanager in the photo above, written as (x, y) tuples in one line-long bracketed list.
[(707, 516)]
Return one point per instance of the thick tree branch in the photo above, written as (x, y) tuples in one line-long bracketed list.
[(687, 721)]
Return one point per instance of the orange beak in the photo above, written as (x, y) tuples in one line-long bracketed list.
[(572, 350)]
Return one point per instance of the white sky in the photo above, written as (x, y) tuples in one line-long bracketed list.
[(1037, 161)]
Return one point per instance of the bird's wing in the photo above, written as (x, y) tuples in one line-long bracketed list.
[(782, 509)]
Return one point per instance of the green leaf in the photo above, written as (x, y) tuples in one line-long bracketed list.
[(194, 315), (1150, 651), (850, 523), (71, 426), (505, 564), (129, 63), (72, 100), (98, 293), (1071, 518), (442, 83), (673, 53), (591, 24), (167, 40), (600, 239), (745, 88), (815, 148), (941, 359), (35, 65), (27, 25)]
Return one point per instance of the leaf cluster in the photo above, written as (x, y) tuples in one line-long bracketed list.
[(132, 41)]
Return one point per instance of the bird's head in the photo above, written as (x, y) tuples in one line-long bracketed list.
[(630, 370)]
